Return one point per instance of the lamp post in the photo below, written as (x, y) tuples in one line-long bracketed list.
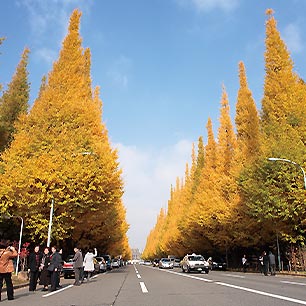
[(52, 203), (304, 176), (50, 222), (20, 237), (291, 162)]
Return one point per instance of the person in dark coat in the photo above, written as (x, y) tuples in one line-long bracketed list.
[(77, 265), (272, 263), (44, 278), (55, 262), (266, 263), (6, 269), (34, 265)]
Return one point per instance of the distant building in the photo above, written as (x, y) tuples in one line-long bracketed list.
[(136, 254)]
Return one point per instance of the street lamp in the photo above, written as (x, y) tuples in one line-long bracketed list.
[(52, 202), (20, 236), (291, 162), (304, 176)]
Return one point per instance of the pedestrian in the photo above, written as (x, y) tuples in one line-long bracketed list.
[(266, 263), (244, 263), (55, 261), (77, 265), (44, 278), (89, 262), (33, 268), (6, 269), (272, 263), (261, 263)]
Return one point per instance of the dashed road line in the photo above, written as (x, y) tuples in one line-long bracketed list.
[(138, 276), (143, 287)]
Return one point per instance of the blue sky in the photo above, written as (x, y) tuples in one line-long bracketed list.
[(160, 65)]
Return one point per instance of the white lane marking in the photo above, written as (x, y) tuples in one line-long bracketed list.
[(57, 291), (138, 276), (95, 276), (280, 297), (293, 283), (143, 287), (237, 276)]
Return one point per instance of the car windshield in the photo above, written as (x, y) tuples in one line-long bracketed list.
[(166, 259), (196, 258)]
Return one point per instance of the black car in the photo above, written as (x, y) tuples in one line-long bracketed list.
[(219, 264)]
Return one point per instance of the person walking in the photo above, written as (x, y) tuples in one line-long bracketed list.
[(266, 263), (6, 269), (77, 265), (244, 263), (89, 262), (272, 263), (261, 264), (55, 261), (44, 278), (34, 265)]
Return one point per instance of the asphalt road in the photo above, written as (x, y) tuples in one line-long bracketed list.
[(138, 285)]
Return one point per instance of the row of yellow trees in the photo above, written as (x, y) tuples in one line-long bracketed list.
[(60, 150), (232, 197)]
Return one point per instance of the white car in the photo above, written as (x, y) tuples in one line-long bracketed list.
[(195, 263)]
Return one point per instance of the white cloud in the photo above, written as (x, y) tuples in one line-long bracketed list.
[(292, 38), (119, 71), (209, 5), (51, 16), (148, 176), (46, 55)]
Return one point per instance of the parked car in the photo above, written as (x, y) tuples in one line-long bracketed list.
[(108, 261), (195, 263), (176, 262), (67, 269), (115, 263), (218, 264), (147, 263), (165, 263), (102, 263)]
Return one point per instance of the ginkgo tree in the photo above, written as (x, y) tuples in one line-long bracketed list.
[(61, 151)]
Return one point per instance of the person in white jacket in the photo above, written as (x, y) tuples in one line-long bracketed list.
[(89, 266)]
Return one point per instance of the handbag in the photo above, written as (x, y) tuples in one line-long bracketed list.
[(51, 267)]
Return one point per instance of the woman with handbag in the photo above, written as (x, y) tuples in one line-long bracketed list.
[(45, 274)]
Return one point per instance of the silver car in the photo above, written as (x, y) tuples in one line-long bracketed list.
[(165, 263)]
